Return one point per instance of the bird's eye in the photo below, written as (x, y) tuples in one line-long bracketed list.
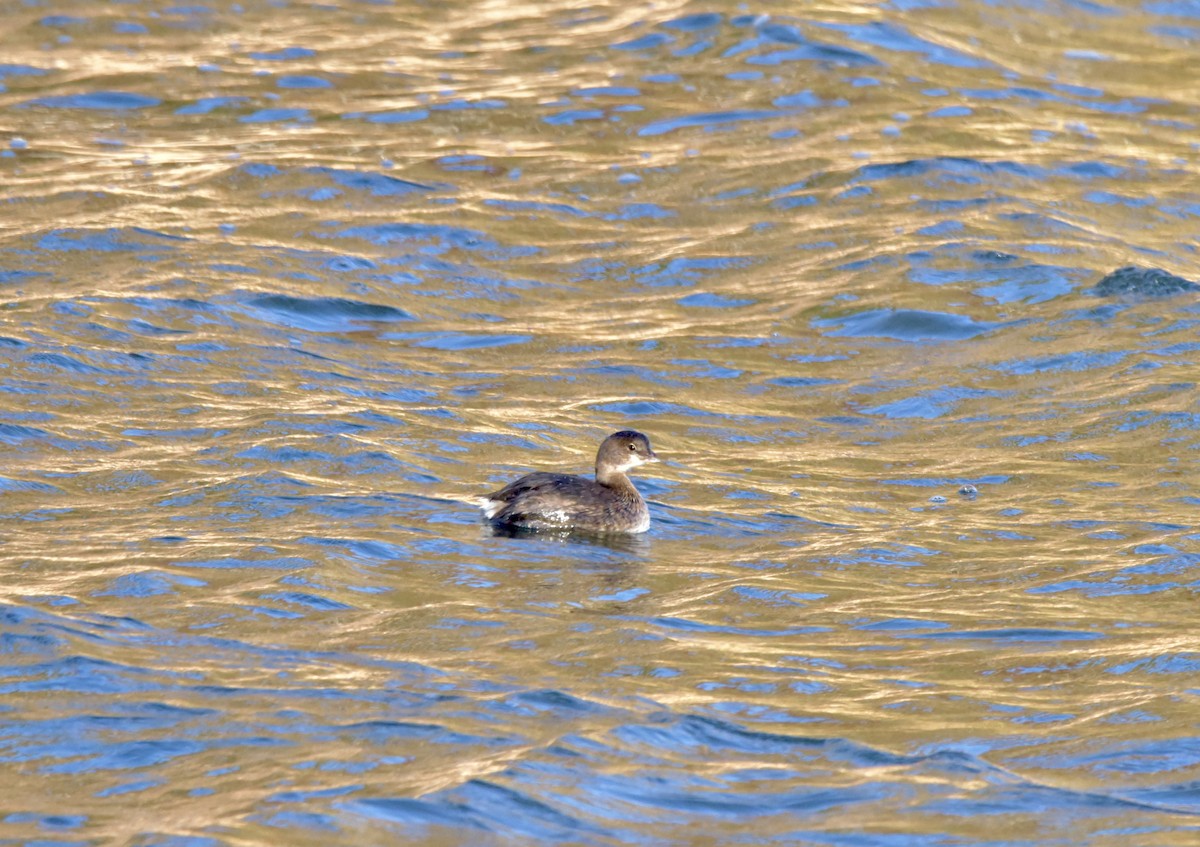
[(632, 446)]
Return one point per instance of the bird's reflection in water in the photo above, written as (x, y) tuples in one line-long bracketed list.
[(638, 545)]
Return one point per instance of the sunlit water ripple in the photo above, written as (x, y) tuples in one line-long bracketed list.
[(286, 288)]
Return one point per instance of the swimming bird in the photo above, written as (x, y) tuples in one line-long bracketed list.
[(566, 502)]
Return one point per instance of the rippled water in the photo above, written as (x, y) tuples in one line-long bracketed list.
[(285, 287)]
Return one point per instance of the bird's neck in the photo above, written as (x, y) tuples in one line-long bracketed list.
[(613, 479)]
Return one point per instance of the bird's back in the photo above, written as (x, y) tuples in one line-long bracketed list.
[(554, 500)]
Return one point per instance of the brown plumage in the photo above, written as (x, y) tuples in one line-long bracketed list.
[(554, 501)]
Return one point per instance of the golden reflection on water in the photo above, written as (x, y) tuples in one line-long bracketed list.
[(268, 523)]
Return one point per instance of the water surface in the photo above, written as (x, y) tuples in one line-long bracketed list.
[(285, 287)]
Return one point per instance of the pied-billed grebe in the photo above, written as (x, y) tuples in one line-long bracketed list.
[(556, 501)]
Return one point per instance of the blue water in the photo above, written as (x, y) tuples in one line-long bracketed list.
[(286, 288)]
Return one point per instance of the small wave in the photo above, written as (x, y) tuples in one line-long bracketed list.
[(907, 325), (113, 101), (1143, 282), (322, 314)]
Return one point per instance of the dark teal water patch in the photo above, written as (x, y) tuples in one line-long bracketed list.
[(322, 314), (771, 31), (432, 238), (279, 563), (48, 823), (18, 485), (1173, 561), (7, 70), (398, 394), (952, 112), (931, 404), (1076, 806), (1172, 421), (561, 705), (648, 409), (485, 805), (1085, 171), (363, 550), (277, 456), (641, 211), (570, 117), (906, 325), (606, 91), (16, 433), (127, 239), (14, 277), (113, 101), (706, 300), (772, 776), (74, 674), (800, 100), (901, 625), (803, 382), (398, 116), (1138, 282), (285, 54), (458, 340), (688, 271), (645, 42), (461, 104), (1016, 635), (306, 601), (693, 22), (707, 120), (1169, 663), (125, 756), (1130, 758), (1066, 363), (890, 36), (948, 169), (303, 82), (1167, 570), (419, 814), (112, 364), (277, 115), (683, 625), (778, 597), (554, 209), (352, 462), (1004, 278), (148, 583), (669, 733), (948, 482), (1117, 587), (380, 185), (1110, 198), (895, 556), (471, 162), (705, 369)]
